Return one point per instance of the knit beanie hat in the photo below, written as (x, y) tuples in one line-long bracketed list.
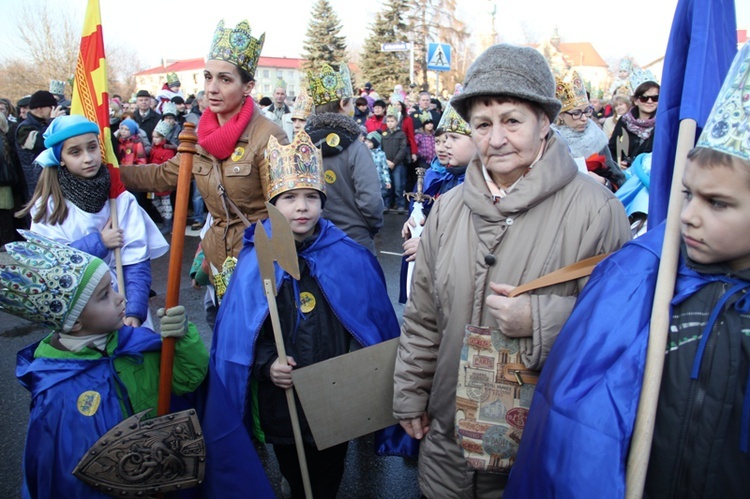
[(48, 283), (131, 124), (509, 70), (61, 129), (42, 98), (375, 138)]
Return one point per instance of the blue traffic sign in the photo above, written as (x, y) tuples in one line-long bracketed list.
[(439, 57)]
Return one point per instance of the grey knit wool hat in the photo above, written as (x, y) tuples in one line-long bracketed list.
[(510, 70)]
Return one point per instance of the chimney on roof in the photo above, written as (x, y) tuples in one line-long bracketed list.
[(555, 40)]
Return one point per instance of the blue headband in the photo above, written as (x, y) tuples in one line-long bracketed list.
[(61, 129)]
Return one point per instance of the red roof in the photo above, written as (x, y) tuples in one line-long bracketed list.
[(582, 54), (200, 62)]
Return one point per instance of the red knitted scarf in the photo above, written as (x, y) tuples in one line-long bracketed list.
[(221, 140)]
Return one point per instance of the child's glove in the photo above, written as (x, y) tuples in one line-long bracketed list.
[(173, 322)]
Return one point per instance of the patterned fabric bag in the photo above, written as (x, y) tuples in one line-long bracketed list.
[(493, 396)]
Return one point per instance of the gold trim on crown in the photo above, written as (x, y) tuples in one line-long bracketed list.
[(728, 126), (452, 122), (571, 91), (296, 166), (236, 45), (329, 85), (303, 106)]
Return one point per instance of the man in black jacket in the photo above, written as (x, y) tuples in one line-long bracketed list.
[(146, 117)]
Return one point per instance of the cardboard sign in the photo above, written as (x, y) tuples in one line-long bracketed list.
[(348, 396)]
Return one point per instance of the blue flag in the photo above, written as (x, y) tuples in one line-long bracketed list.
[(702, 45)]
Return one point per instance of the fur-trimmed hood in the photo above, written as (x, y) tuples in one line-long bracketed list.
[(332, 132)]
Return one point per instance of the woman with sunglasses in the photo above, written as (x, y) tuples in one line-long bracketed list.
[(585, 139), (638, 125)]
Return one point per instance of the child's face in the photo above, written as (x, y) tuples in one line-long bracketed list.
[(104, 311), (81, 155), (362, 108), (169, 119), (158, 138), (440, 151), (124, 131), (301, 208), (715, 217), (369, 143), (460, 148), (429, 127), (392, 122), (298, 124)]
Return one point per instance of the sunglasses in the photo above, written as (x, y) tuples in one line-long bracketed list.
[(646, 98), (588, 112)]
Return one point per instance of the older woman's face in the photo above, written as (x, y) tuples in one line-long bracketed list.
[(224, 89), (508, 137)]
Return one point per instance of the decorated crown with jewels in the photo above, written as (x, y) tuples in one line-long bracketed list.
[(639, 76), (303, 106), (329, 85), (49, 283), (237, 46), (571, 91), (296, 166), (172, 79), (451, 121), (728, 126)]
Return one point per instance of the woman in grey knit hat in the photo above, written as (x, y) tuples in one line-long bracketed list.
[(523, 211)]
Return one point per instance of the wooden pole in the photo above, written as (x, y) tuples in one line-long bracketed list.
[(643, 433), (188, 139), (118, 251)]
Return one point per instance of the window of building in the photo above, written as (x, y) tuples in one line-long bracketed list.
[(266, 73)]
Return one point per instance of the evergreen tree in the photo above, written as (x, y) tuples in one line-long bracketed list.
[(436, 21), (387, 69), (322, 42)]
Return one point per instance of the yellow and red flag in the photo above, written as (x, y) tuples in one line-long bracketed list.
[(90, 92)]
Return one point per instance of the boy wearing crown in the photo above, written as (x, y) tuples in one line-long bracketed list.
[(91, 372), (339, 303), (580, 424)]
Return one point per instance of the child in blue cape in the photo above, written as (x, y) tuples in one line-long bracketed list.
[(92, 371), (339, 304), (578, 433)]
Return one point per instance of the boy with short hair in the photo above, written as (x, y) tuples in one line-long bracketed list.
[(91, 372), (396, 147), (339, 303), (580, 423)]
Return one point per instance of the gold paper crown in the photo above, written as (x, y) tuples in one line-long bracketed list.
[(622, 91), (728, 126), (303, 105), (451, 121), (237, 46), (393, 110), (296, 166), (329, 85), (172, 79), (571, 91)]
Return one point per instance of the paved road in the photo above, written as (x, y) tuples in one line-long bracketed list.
[(366, 476)]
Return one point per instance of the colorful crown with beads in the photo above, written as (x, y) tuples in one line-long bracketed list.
[(728, 126), (303, 106), (452, 122), (296, 166), (639, 76), (172, 79), (49, 283), (571, 91), (237, 46), (329, 85), (280, 83)]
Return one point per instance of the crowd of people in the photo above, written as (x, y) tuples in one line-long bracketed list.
[(528, 174)]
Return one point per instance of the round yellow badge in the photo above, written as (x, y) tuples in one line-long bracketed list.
[(330, 176), (306, 302), (88, 402), (238, 153), (333, 140)]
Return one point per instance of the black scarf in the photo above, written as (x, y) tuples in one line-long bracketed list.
[(89, 194)]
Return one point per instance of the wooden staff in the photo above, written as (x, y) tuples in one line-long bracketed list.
[(643, 433), (188, 139), (118, 251)]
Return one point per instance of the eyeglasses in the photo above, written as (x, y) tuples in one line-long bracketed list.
[(588, 112), (646, 98)]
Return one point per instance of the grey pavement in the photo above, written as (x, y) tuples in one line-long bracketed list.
[(366, 475)]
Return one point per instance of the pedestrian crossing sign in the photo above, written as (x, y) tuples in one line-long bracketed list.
[(439, 57)]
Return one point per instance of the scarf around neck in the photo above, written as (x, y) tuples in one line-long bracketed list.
[(221, 140), (89, 194), (639, 127), (583, 144)]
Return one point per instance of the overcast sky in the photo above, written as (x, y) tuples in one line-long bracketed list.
[(158, 29)]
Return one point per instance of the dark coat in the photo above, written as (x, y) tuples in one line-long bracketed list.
[(148, 122), (29, 147), (395, 146)]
